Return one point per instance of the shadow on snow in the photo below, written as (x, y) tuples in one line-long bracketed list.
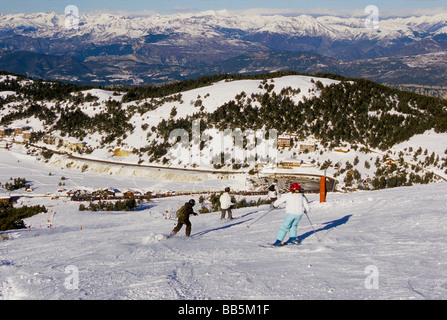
[(328, 226), (201, 233)]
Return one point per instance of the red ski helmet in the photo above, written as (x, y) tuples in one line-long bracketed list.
[(295, 187)]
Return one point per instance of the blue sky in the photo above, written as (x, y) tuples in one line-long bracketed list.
[(141, 7)]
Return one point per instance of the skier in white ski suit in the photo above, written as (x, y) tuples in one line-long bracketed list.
[(225, 204), (295, 206)]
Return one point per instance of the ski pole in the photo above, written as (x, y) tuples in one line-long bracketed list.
[(261, 217), (312, 226)]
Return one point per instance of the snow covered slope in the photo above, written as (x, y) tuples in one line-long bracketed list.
[(374, 245), (387, 244)]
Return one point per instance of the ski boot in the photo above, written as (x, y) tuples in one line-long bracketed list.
[(292, 240), (171, 235), (277, 243)]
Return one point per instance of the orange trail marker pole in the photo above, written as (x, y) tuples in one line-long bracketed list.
[(323, 189)]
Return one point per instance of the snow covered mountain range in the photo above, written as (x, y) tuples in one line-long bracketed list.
[(211, 24), (160, 48)]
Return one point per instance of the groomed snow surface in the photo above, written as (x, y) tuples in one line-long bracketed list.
[(387, 244)]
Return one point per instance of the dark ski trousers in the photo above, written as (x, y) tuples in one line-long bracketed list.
[(180, 224), (224, 211)]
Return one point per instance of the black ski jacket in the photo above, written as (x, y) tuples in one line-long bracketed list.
[(184, 212)]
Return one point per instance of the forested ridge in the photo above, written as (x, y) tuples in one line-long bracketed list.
[(354, 110), (361, 113), (358, 112)]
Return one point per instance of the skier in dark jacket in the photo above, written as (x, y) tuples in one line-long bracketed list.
[(183, 218)]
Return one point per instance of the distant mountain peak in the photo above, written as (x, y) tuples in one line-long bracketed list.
[(332, 26), (163, 48)]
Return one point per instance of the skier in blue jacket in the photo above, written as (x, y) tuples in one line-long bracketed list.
[(296, 203)]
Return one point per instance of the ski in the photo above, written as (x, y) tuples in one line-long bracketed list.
[(229, 220), (272, 246), (284, 244), (269, 246)]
